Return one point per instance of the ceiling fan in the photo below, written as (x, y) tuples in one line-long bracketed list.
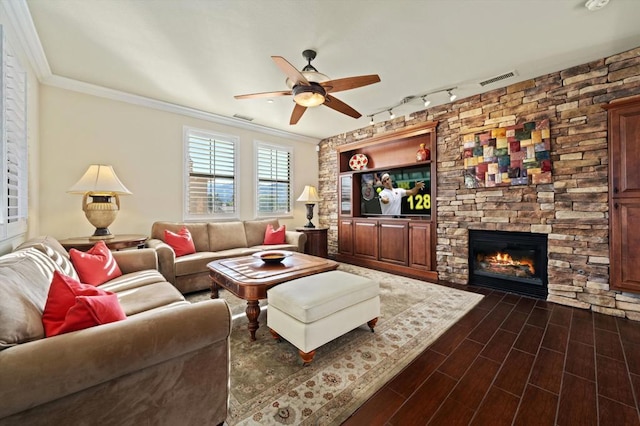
[(311, 88)]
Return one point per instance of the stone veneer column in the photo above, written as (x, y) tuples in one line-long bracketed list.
[(573, 211)]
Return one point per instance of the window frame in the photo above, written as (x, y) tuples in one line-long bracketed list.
[(226, 138), (259, 145)]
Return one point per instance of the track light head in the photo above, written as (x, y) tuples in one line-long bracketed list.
[(371, 121), (426, 101), (452, 96), (391, 114)]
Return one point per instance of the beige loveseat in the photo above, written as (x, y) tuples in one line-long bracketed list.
[(213, 241), (167, 363)]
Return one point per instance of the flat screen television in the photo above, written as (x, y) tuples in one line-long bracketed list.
[(406, 178)]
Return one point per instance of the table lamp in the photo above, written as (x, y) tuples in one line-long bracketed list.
[(101, 184), (310, 197)]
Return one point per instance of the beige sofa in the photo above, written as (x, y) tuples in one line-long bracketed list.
[(147, 369), (213, 241)]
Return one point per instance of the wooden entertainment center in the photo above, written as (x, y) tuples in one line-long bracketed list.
[(404, 244)]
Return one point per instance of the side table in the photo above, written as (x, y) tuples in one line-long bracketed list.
[(316, 244), (116, 243)]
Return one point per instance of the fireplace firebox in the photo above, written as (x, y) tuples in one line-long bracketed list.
[(510, 261)]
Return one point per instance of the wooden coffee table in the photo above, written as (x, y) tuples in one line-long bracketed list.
[(249, 278)]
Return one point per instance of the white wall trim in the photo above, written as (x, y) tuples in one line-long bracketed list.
[(25, 31), (20, 17)]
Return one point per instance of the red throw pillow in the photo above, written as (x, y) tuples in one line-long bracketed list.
[(181, 243), (90, 311), (96, 266), (277, 236), (72, 306)]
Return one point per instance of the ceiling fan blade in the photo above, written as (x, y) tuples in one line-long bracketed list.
[(264, 94), (298, 110), (338, 105), (290, 71), (350, 83)]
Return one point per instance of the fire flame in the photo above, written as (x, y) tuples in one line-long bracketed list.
[(506, 259)]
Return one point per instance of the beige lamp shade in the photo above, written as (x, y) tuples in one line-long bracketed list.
[(100, 183), (310, 197), (99, 179)]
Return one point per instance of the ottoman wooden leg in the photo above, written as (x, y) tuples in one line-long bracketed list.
[(307, 357), (372, 323), (275, 335)]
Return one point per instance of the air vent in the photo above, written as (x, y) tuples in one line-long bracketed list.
[(243, 117), (498, 78)]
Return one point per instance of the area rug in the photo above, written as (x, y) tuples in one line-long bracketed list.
[(269, 385)]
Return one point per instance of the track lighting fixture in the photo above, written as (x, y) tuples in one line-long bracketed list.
[(409, 99)]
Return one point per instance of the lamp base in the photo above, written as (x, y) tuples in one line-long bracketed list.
[(310, 216), (101, 234)]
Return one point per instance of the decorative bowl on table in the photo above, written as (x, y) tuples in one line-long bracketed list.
[(272, 256)]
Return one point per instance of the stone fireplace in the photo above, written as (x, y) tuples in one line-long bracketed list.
[(509, 261), (572, 211)]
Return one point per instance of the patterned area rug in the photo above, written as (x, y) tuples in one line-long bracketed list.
[(269, 385)]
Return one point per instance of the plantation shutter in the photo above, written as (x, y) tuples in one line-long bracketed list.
[(14, 143), (211, 185), (274, 180)]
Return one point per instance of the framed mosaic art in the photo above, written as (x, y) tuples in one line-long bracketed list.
[(507, 156)]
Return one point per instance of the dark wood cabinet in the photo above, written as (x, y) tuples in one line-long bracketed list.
[(419, 245), (624, 194), (405, 243), (392, 240), (345, 242), (365, 238), (316, 244)]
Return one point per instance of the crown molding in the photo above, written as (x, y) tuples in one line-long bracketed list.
[(116, 95), (20, 18)]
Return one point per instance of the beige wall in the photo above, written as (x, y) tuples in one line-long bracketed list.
[(145, 148)]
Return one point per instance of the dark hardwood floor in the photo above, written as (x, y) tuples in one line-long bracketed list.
[(521, 361)]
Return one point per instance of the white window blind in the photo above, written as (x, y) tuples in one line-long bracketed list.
[(14, 143), (210, 175), (274, 180)]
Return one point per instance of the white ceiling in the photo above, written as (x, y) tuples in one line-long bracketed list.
[(199, 53)]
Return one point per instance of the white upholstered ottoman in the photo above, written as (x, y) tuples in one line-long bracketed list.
[(313, 310)]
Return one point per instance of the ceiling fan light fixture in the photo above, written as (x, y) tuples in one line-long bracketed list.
[(311, 76), (309, 96)]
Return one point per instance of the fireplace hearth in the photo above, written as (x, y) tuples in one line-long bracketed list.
[(510, 261)]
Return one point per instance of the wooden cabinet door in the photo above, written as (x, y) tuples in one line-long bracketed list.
[(345, 236), (420, 245), (624, 138), (625, 244), (624, 194), (392, 240), (365, 238)]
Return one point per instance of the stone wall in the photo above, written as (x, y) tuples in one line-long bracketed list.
[(573, 210)]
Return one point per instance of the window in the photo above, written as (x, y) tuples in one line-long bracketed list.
[(273, 166), (13, 215), (210, 175)]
